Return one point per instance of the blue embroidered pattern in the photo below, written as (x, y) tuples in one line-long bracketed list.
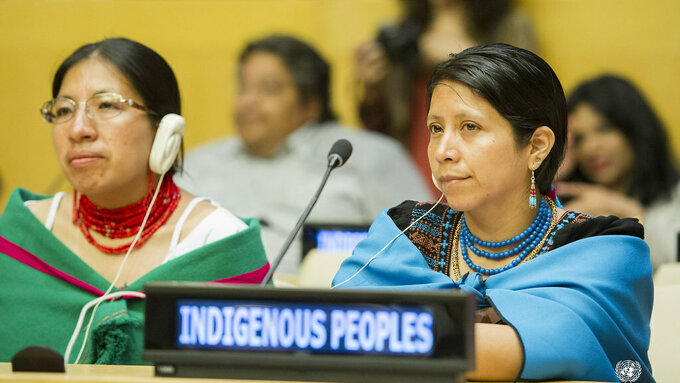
[(432, 234), (567, 218)]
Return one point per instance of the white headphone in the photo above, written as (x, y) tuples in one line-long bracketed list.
[(166, 144)]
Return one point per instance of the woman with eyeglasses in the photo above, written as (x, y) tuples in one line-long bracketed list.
[(116, 131)]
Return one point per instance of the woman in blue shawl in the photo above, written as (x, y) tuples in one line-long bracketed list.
[(562, 295)]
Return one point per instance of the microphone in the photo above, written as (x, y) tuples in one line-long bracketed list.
[(339, 153), (337, 156)]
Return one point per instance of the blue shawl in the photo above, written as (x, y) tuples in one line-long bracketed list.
[(578, 309)]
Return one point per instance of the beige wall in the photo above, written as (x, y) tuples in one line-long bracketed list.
[(202, 38)]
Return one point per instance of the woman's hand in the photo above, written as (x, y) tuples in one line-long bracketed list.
[(498, 353), (372, 66), (598, 200)]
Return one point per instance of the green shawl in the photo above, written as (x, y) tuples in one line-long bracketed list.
[(37, 308)]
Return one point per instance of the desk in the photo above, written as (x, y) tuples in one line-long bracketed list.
[(89, 373), (86, 373)]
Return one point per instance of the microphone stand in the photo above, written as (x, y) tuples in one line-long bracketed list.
[(332, 165)]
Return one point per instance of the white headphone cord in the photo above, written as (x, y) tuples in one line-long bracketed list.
[(389, 243), (106, 295), (84, 310)]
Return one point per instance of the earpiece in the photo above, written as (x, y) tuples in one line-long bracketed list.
[(436, 183), (166, 144), (392, 240)]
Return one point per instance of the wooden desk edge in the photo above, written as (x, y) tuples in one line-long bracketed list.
[(87, 373)]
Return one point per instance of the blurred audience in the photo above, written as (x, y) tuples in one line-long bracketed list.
[(394, 67), (623, 165), (285, 127)]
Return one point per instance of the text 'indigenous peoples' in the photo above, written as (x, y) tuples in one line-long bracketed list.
[(367, 329)]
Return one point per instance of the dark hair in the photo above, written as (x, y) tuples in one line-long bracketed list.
[(148, 73), (310, 72), (521, 86), (483, 16), (625, 108), (400, 41)]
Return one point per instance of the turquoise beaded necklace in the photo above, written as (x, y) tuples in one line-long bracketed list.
[(529, 238)]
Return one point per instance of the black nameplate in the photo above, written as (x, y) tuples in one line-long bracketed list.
[(246, 332), (331, 238)]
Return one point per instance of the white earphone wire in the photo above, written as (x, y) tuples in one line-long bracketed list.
[(84, 310), (106, 295), (389, 243)]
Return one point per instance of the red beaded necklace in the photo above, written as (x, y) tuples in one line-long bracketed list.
[(124, 222)]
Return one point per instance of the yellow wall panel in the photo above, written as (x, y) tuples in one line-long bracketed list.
[(201, 39)]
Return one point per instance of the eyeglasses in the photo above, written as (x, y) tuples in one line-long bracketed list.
[(101, 106)]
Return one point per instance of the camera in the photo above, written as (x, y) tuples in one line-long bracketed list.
[(400, 42)]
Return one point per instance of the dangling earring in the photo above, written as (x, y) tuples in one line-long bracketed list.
[(532, 191)]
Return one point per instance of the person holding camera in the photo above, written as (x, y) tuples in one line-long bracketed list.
[(394, 67)]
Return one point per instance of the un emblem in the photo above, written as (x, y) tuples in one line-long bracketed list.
[(628, 371)]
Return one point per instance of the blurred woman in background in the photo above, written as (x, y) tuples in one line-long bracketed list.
[(623, 165)]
